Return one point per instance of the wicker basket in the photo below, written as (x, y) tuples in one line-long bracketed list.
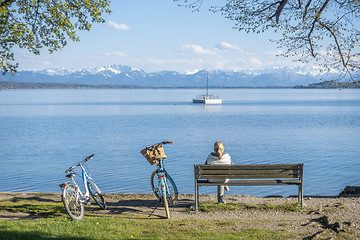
[(153, 153)]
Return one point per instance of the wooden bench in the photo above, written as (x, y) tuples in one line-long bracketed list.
[(249, 175)]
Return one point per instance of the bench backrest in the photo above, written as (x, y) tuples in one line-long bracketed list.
[(244, 171)]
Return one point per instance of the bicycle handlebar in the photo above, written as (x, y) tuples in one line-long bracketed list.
[(88, 158), (166, 142), (79, 163)]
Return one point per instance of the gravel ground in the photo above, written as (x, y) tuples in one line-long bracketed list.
[(321, 217)]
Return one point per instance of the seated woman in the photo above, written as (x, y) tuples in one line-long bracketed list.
[(218, 157)]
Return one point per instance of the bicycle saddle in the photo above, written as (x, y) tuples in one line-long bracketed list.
[(71, 175)]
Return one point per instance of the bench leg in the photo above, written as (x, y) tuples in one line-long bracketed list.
[(301, 196), (196, 196)]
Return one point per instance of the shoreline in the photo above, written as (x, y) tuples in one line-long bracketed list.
[(190, 194), (322, 217)]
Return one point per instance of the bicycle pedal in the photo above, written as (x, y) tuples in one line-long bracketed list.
[(85, 199)]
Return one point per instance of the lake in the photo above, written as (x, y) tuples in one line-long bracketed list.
[(43, 132)]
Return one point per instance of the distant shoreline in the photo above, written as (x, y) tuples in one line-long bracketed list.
[(34, 85)]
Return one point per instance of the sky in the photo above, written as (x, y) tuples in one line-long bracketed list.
[(159, 35)]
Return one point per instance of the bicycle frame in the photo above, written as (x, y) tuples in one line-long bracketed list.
[(72, 196), (86, 179), (161, 172)]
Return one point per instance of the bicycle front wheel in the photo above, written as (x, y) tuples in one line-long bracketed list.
[(97, 196), (73, 206), (172, 192)]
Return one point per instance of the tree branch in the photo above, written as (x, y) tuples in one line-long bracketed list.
[(6, 3), (279, 10), (313, 26), (306, 10), (266, 8), (336, 42), (195, 5)]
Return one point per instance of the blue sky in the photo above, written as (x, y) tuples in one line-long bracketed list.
[(159, 35)]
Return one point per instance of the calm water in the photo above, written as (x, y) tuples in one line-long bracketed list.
[(43, 132)]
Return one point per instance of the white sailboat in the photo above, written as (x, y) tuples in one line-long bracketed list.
[(207, 99)]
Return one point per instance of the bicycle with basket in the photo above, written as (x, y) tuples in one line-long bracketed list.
[(161, 182)]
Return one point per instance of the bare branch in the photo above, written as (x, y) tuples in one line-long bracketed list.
[(306, 10), (194, 5), (336, 42), (313, 26), (267, 8)]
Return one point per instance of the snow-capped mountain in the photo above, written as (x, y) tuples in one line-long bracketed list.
[(128, 76)]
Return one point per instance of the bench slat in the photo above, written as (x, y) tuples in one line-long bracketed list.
[(247, 172), (243, 176), (251, 182), (252, 166)]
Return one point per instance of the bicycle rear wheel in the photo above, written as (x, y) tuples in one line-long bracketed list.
[(99, 199), (172, 194), (73, 206)]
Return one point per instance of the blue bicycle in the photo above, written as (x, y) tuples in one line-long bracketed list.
[(72, 196), (162, 183)]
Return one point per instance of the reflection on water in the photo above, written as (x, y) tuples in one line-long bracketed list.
[(213, 108), (43, 132)]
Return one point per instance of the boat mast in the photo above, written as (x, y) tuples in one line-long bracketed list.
[(207, 83)]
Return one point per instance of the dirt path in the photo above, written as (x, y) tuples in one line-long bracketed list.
[(321, 217)]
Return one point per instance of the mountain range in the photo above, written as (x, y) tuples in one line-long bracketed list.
[(122, 75)]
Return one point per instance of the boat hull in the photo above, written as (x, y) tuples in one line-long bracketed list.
[(208, 101)]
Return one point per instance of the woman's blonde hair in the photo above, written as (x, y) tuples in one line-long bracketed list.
[(219, 149)]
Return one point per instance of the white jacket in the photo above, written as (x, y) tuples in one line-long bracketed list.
[(214, 160)]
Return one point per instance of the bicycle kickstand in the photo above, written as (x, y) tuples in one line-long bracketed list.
[(155, 208)]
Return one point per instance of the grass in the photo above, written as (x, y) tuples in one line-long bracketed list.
[(122, 228), (211, 207), (50, 221)]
